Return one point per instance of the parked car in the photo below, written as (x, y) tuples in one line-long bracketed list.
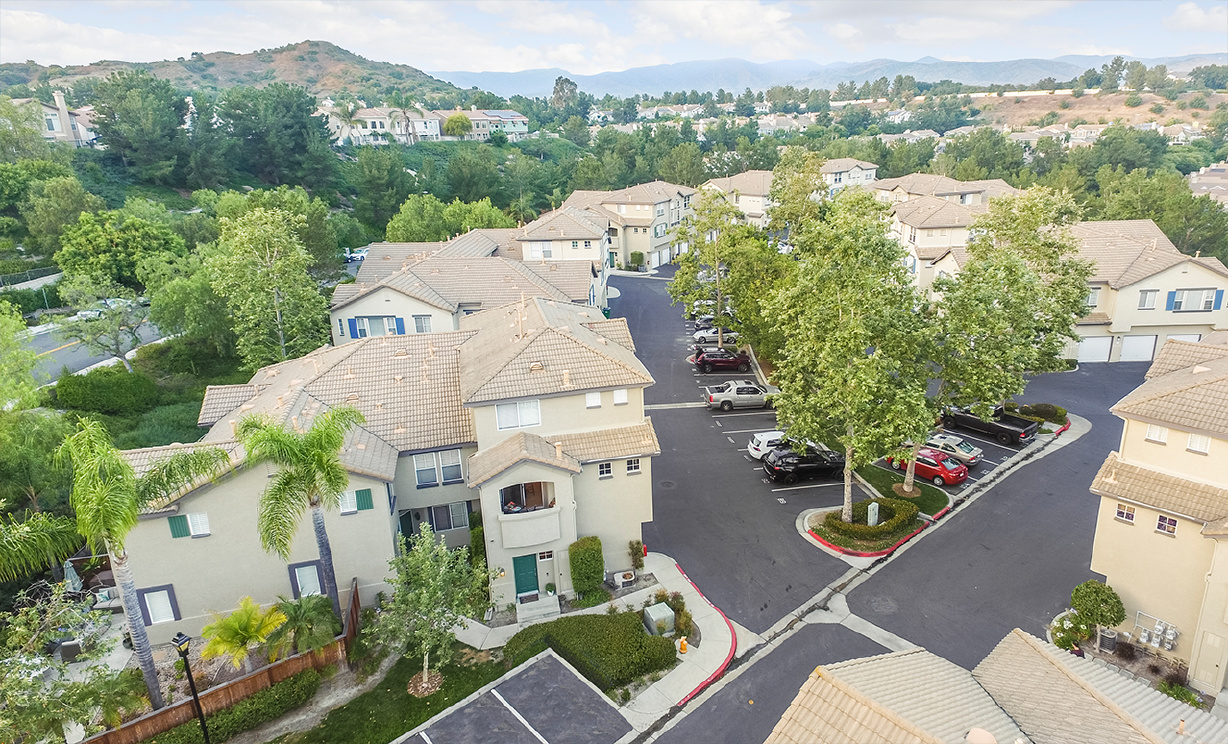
[(784, 465), (722, 359), (956, 447), (359, 254), (708, 335), (1002, 426), (704, 321), (735, 394), (935, 466), (764, 442)]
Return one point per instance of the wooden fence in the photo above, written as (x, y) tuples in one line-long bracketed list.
[(225, 695)]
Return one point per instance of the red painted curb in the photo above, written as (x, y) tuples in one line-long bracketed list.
[(874, 554), (1058, 433), (941, 513), (733, 645)]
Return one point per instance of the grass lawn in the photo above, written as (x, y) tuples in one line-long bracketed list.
[(931, 501), (387, 711), (815, 522)]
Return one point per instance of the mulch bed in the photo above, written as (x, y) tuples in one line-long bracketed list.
[(419, 687)]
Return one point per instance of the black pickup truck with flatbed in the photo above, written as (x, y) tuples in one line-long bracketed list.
[(1002, 426)]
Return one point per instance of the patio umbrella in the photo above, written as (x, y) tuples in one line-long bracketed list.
[(71, 580)]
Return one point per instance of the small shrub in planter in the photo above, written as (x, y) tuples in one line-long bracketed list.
[(637, 259), (1125, 651), (1070, 630), (587, 565), (636, 549), (892, 513), (1176, 677)]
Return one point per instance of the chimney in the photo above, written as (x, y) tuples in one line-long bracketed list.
[(558, 450)]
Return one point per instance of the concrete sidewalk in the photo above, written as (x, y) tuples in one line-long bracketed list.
[(698, 667)]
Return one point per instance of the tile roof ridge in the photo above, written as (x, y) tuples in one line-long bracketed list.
[(1194, 379), (866, 701)]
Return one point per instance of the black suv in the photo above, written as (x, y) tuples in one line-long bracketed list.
[(783, 465)]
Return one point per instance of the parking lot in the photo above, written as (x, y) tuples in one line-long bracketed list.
[(995, 455)]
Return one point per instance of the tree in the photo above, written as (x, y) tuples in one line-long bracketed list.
[(310, 625), (110, 245), (183, 301), (382, 183), (210, 148), (425, 219), (708, 240), (310, 477), (1098, 604), (684, 165), (434, 591), (281, 139), (17, 360), (1194, 223), (1110, 74), (237, 634), (315, 231), (108, 496), (54, 204), (457, 125), (21, 132), (576, 130), (29, 478), (30, 544), (114, 331), (473, 174), (565, 93), (140, 118), (260, 269)]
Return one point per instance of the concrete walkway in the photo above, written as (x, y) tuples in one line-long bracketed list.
[(698, 667)]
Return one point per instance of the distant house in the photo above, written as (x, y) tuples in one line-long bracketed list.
[(378, 125), (908, 136), (748, 192), (487, 121), (841, 172), (898, 116), (1211, 181), (61, 124), (640, 219), (1085, 135), (968, 193)]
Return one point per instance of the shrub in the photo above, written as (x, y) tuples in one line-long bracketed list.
[(609, 650), (637, 258), (1044, 412), (1133, 100), (1125, 650), (1070, 629), (1157, 108), (1176, 676), (1064, 104), (30, 300), (1180, 692), (1199, 102), (112, 390), (247, 714), (164, 425), (893, 514), (1098, 603), (587, 565), (636, 549)]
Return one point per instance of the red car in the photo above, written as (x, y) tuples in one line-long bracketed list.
[(709, 360), (936, 466)]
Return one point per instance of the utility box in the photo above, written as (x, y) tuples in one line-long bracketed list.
[(659, 619)]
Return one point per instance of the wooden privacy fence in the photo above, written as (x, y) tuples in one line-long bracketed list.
[(225, 695)]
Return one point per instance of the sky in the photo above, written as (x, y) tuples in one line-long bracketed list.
[(602, 35)]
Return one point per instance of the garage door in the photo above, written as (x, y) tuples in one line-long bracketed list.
[(1138, 348), (1095, 349), (1195, 337)]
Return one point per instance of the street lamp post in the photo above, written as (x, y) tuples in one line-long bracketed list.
[(182, 642)]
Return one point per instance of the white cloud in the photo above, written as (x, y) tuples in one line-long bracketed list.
[(26, 34), (1193, 17), (726, 28), (843, 31)]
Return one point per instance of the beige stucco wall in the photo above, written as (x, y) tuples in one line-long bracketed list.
[(384, 302), (1161, 575), (1209, 658), (614, 508), (564, 414), (1173, 457), (411, 498), (216, 571), (1128, 318)]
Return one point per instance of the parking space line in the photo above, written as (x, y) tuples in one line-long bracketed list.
[(749, 413), (741, 431), (519, 717), (810, 485), (425, 738), (995, 443)]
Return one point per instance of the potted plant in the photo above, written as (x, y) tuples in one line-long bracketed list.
[(550, 590)]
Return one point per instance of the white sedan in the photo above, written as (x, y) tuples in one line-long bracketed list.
[(956, 447), (708, 335), (764, 442)]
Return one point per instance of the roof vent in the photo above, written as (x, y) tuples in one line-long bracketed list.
[(583, 313), (1199, 369), (398, 378), (351, 398), (400, 353), (536, 366), (566, 378)]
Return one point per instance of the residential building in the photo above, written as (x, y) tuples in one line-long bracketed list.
[(929, 228), (907, 135), (898, 116), (772, 124), (486, 121), (61, 124), (531, 414), (968, 193), (1026, 691), (748, 191), (1085, 135), (640, 219), (1162, 527), (1030, 137), (376, 125), (841, 172), (1211, 181)]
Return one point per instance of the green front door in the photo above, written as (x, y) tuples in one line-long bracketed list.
[(524, 567)]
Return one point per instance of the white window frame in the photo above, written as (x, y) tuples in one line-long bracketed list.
[(592, 400), (458, 516), (1125, 513), (1093, 297), (527, 414), (1208, 300), (422, 323), (1179, 301), (198, 524), (633, 465), (1200, 443), (1166, 525), (424, 462), (450, 459), (620, 397), (1157, 433), (605, 470), (349, 502), (1147, 299), (169, 606), (319, 580), (546, 555)]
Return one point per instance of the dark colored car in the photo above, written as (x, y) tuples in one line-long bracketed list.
[(784, 465), (935, 466), (710, 360), (1002, 426)]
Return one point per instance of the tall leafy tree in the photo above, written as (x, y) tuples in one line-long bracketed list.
[(684, 165), (209, 147), (17, 360), (54, 204), (260, 269), (1194, 224), (21, 132), (457, 125), (111, 245), (29, 478), (310, 478), (434, 590), (382, 183), (115, 331), (281, 138), (183, 301), (708, 240), (108, 495), (140, 118), (315, 231), (473, 174)]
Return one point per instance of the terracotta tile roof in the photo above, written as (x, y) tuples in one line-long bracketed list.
[(1058, 698), (542, 348), (520, 447), (483, 242), (565, 223), (935, 185), (143, 460), (221, 400), (614, 329), (1175, 355), (1194, 397), (1095, 319), (840, 165), (930, 692), (1127, 251), (611, 444), (933, 212), (646, 193), (1201, 502), (828, 709), (386, 258), (751, 182)]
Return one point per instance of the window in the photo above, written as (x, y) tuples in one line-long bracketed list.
[(541, 249), (1208, 299), (592, 400), (588, 244), (158, 604), (633, 465), (838, 178), (1093, 296), (452, 516), (620, 397), (1195, 300), (422, 324), (519, 415), (1125, 513), (1147, 299), (1167, 525), (305, 579), (1157, 434), (379, 325), (424, 470), (546, 555), (356, 501), (575, 244), (659, 231), (605, 470), (53, 123), (450, 466), (189, 525), (1199, 443)]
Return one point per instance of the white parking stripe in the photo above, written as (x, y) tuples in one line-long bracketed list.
[(743, 431), (519, 717), (425, 738), (751, 413), (982, 440), (812, 485)]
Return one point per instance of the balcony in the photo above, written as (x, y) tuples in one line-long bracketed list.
[(530, 528)]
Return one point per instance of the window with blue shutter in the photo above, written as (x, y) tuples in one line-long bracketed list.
[(1219, 299), (354, 327), (1171, 299), (363, 498), (179, 526), (400, 326)]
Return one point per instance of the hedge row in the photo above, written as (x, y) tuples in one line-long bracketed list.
[(29, 300), (112, 390), (892, 513), (587, 565), (609, 650), (245, 715), (1040, 412)]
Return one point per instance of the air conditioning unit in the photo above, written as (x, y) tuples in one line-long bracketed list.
[(622, 579)]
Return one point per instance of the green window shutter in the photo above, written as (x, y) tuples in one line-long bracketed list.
[(179, 526), (363, 497)]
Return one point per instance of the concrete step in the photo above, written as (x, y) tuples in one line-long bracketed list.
[(544, 607)]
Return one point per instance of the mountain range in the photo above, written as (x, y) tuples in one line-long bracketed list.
[(736, 75)]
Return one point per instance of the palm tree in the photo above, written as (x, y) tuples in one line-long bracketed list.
[(401, 105), (311, 478), (116, 694), (235, 635), (107, 496), (30, 545), (310, 625)]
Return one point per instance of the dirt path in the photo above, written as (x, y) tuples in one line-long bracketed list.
[(334, 692)]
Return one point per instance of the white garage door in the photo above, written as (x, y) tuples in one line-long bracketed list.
[(1095, 349), (1138, 348), (1195, 337)]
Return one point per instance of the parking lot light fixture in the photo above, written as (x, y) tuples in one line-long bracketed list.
[(182, 643)]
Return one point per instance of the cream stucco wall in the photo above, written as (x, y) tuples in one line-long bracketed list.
[(1128, 318), (1159, 574), (1173, 456), (564, 414), (214, 572), (410, 498), (1209, 658), (614, 508), (388, 302)]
